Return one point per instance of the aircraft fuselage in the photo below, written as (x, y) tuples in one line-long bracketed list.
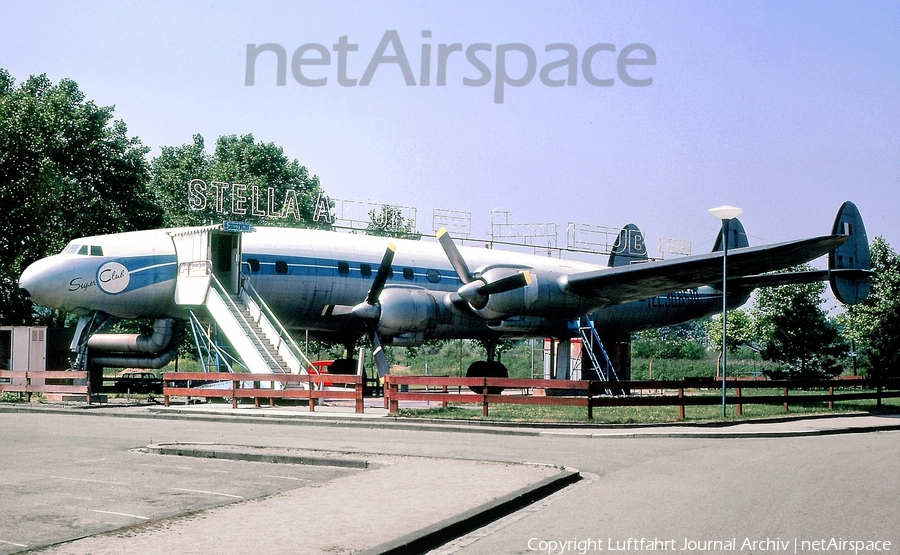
[(301, 272)]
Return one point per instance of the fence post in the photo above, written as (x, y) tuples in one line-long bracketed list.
[(394, 402), (739, 407), (360, 386), (484, 400), (786, 393), (234, 399), (681, 406), (444, 391), (831, 400), (590, 399)]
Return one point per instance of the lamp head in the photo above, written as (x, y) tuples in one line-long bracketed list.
[(726, 212)]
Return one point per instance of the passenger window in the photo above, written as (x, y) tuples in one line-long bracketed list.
[(254, 264), (96, 250), (408, 273), (365, 270), (281, 267), (433, 276), (343, 268)]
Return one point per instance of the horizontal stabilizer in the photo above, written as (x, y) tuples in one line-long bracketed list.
[(775, 280)]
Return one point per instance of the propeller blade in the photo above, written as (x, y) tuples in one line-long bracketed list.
[(508, 283), (381, 364), (456, 259), (384, 272)]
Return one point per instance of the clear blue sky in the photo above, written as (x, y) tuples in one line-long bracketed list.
[(784, 108)]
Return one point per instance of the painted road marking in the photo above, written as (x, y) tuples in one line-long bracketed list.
[(284, 478), (208, 492), (88, 480), (120, 514)]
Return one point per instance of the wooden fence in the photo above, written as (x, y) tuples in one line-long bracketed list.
[(45, 382), (236, 386), (480, 391), (590, 394)]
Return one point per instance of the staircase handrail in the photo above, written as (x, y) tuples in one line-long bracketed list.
[(283, 334), (610, 370), (237, 314), (195, 325)]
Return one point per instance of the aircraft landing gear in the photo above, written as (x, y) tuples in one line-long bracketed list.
[(489, 368), (343, 366)]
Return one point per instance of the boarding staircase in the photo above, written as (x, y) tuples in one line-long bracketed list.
[(235, 315), (601, 367), (259, 342)]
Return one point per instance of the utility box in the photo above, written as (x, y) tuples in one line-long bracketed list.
[(23, 348)]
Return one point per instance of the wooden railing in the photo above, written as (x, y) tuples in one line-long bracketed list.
[(590, 394), (30, 382), (241, 385)]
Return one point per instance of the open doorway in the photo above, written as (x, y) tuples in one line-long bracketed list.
[(225, 255)]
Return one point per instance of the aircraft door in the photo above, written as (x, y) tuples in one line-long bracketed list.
[(192, 251), (226, 259)]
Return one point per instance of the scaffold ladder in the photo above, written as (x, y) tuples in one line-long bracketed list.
[(593, 346)]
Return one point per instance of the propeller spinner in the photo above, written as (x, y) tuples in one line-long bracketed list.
[(476, 289), (370, 310)]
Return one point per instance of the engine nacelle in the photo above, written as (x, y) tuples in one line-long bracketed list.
[(405, 310), (500, 305)]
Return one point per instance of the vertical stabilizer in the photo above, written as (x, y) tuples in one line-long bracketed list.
[(737, 237), (630, 247), (849, 265)]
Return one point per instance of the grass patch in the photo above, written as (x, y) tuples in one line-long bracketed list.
[(648, 415)]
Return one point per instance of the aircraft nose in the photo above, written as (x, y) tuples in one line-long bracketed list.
[(35, 280), (27, 280)]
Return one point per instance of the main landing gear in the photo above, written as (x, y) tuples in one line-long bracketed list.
[(489, 368)]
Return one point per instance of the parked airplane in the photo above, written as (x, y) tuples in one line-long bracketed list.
[(343, 287)]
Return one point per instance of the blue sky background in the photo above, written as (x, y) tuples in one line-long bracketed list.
[(784, 108)]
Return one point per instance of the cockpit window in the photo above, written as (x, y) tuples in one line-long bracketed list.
[(85, 250)]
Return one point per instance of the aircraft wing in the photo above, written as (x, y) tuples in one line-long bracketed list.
[(640, 281)]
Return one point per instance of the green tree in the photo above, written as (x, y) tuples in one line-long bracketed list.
[(741, 331), (684, 341), (794, 329), (237, 160), (388, 221), (874, 324), (67, 169)]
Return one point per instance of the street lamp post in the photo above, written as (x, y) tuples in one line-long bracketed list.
[(726, 214)]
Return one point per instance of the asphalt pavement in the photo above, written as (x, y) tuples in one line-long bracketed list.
[(208, 478)]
